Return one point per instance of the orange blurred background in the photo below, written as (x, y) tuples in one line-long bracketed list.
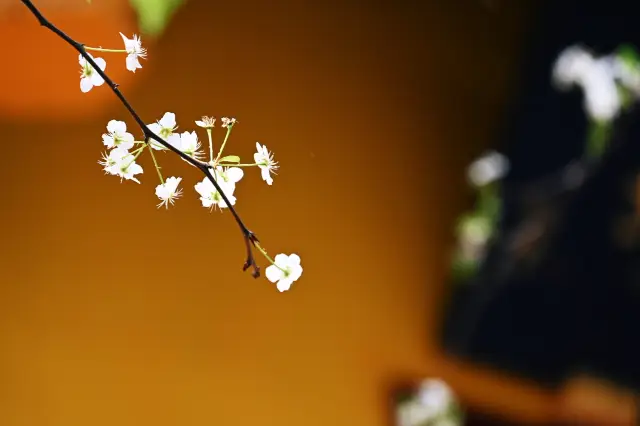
[(115, 312)]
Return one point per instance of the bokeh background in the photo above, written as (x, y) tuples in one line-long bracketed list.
[(114, 312)]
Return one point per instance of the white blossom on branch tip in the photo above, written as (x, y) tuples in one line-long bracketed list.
[(135, 50), (117, 136), (228, 122), (89, 77), (285, 272), (206, 122), (168, 192), (264, 160), (165, 128)]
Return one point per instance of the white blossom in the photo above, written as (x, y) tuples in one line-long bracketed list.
[(189, 144), (117, 136), (228, 122), (264, 160), (209, 195), (602, 99), (89, 77), (168, 192), (109, 161), (435, 396), (572, 65), (206, 122), (230, 175), (596, 77), (488, 168), (121, 163), (165, 128), (285, 271), (135, 50)]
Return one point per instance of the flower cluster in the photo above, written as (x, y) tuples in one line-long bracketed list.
[(222, 172)]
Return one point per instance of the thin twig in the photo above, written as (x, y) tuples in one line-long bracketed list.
[(249, 237)]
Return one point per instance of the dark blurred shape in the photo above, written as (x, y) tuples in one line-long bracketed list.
[(558, 292)]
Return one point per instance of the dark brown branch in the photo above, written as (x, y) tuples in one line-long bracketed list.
[(249, 237)]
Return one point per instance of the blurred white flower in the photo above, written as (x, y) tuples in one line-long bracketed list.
[(286, 270), (117, 136), (165, 128), (572, 65), (429, 406), (168, 192), (596, 77), (602, 99), (435, 396), (89, 77), (135, 50), (488, 168), (264, 160)]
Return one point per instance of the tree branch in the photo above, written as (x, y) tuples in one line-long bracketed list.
[(249, 237)]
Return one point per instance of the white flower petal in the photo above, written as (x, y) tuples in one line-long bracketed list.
[(100, 62), (116, 126), (234, 174), (168, 120), (132, 63), (96, 80), (281, 260), (272, 273), (284, 284), (85, 84)]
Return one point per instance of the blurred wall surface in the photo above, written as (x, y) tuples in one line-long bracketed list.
[(115, 312)]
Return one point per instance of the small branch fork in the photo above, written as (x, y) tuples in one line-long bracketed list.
[(250, 238)]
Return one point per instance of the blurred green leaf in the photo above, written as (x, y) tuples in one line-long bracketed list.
[(230, 159), (629, 54), (154, 15)]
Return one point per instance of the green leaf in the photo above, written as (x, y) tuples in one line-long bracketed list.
[(154, 15), (230, 159)]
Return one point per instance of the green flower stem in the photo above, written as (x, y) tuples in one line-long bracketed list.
[(223, 144), (137, 153), (237, 165), (265, 254), (210, 144), (488, 200), (155, 163), (100, 49)]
